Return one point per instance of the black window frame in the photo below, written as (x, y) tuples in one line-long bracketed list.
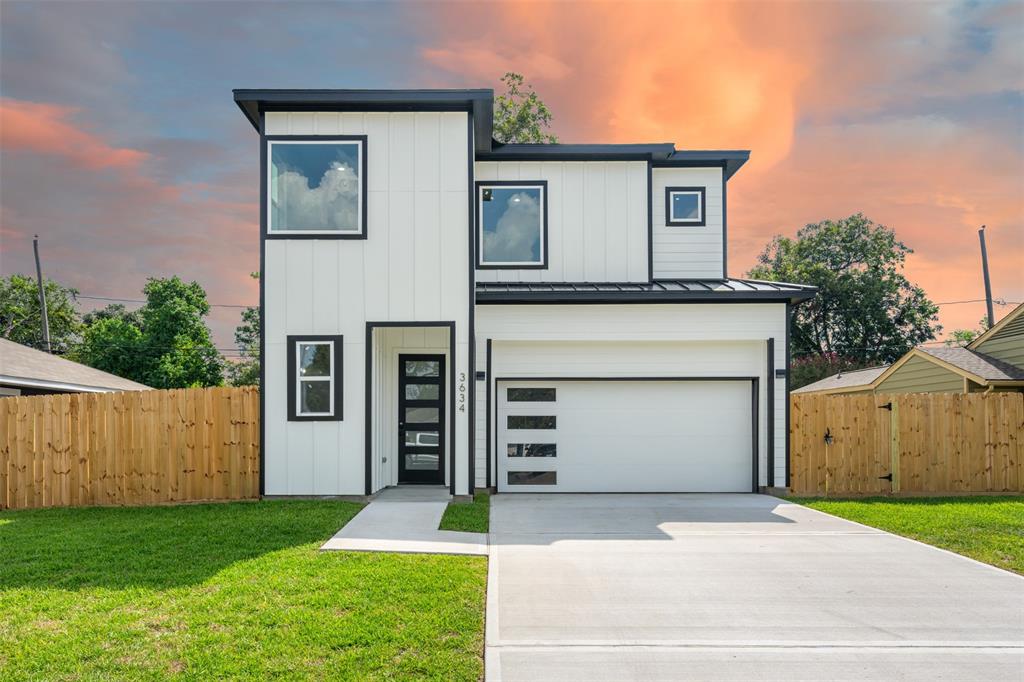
[(269, 233), (478, 201), (702, 191), (337, 377)]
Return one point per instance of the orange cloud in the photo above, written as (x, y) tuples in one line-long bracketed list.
[(44, 129), (822, 93)]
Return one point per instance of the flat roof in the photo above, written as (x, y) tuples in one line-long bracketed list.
[(480, 102)]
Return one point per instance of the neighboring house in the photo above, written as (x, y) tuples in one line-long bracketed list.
[(27, 371), (440, 308), (992, 362)]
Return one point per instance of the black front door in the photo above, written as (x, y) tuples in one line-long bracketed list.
[(421, 419)]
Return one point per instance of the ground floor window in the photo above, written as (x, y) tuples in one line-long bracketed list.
[(314, 378)]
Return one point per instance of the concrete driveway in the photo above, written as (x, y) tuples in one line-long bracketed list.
[(734, 587)]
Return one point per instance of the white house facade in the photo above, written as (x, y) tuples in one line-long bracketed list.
[(439, 308)]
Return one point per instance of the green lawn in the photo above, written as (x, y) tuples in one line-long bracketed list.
[(989, 529), (227, 591), (472, 517)]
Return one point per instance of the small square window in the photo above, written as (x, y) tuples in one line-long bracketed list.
[(684, 206), (314, 378), (316, 186), (512, 224)]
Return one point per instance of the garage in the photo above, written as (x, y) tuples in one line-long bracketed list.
[(626, 435)]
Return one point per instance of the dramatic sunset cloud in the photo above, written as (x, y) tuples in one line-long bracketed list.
[(121, 147), (909, 112)]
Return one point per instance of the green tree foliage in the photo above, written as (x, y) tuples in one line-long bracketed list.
[(963, 337), (519, 114), (165, 344), (21, 319), (246, 371), (866, 310)]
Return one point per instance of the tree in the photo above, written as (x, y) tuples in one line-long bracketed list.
[(21, 317), (963, 337), (866, 310), (165, 344), (519, 114), (246, 371)]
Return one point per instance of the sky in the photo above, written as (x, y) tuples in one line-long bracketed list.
[(121, 147)]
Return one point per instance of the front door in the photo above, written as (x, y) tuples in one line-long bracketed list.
[(421, 419)]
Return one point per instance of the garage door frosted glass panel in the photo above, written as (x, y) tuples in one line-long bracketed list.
[(654, 436)]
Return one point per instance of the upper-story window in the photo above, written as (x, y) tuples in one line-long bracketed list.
[(684, 206), (512, 224), (316, 187)]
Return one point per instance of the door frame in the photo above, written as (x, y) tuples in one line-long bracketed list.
[(422, 476), (755, 445)]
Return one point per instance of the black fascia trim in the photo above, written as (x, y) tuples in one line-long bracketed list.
[(337, 377), (488, 421), (754, 406), (471, 298), (478, 237), (263, 325), (770, 410), (701, 191), (786, 341), (650, 222), (725, 233), (577, 152), (629, 297), (364, 182), (479, 102), (368, 396)]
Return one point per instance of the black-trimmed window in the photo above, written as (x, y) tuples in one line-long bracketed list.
[(316, 187), (530, 421), (685, 206), (512, 224), (531, 395), (532, 478), (315, 378), (531, 450)]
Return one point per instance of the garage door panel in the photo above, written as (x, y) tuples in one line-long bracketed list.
[(635, 436)]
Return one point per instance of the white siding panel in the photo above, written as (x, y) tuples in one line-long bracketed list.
[(413, 266), (597, 219), (688, 252), (642, 340)]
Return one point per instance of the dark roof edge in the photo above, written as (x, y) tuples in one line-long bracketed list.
[(574, 297)]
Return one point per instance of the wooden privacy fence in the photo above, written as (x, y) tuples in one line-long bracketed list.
[(907, 443), (141, 447)]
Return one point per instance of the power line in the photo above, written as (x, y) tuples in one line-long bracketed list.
[(140, 300), (997, 301)]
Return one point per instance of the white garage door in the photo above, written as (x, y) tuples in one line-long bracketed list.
[(624, 436)]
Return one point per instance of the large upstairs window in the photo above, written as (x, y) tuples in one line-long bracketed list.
[(316, 187), (512, 224)]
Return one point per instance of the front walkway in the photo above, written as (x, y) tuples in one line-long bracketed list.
[(405, 519), (734, 587)]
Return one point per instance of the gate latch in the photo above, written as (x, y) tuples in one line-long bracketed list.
[(887, 477)]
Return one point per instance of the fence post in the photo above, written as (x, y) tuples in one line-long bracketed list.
[(894, 444)]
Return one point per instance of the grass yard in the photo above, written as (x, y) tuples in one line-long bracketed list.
[(989, 529), (472, 517), (227, 591)]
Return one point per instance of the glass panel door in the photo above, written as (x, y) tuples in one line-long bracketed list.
[(421, 432)]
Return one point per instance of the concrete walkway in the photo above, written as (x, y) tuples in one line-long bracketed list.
[(734, 587), (405, 519)]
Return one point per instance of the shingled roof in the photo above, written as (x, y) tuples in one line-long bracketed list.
[(30, 368), (984, 366)]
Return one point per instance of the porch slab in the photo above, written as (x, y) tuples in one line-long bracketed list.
[(405, 519)]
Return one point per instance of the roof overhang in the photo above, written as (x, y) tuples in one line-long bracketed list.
[(918, 353), (660, 154), (680, 291), (997, 327), (24, 382), (479, 102), (730, 160)]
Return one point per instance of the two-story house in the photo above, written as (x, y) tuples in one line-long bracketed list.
[(441, 308)]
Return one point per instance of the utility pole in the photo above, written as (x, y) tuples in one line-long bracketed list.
[(42, 297), (988, 283)]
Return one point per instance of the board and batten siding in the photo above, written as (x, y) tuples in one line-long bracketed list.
[(688, 252), (413, 266), (918, 375), (597, 219), (635, 341)]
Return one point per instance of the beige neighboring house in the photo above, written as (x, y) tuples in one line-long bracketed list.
[(992, 362), (27, 371)]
